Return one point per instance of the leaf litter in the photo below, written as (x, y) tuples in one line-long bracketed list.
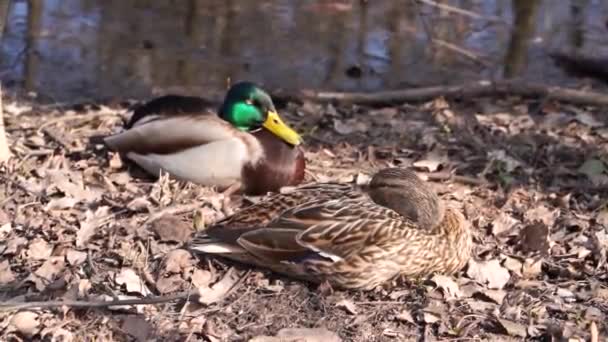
[(77, 222)]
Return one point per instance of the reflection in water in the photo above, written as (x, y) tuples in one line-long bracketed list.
[(74, 49)]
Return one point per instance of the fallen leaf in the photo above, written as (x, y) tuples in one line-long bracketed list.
[(532, 268), (503, 223), (61, 203), (348, 306), (512, 328), (201, 278), (405, 316), (14, 245), (55, 333), (489, 273), (308, 335), (212, 294), (171, 228), (177, 260), (39, 249), (6, 274), (541, 213), (430, 317), (132, 282), (429, 165), (513, 265), (93, 220), (47, 272), (137, 327), (448, 285), (171, 283), (139, 204), (349, 126), (75, 257), (496, 296), (25, 322), (534, 238)]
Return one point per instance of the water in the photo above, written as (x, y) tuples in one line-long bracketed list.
[(89, 49)]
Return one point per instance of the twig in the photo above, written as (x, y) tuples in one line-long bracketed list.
[(10, 306), (466, 53), (467, 90), (463, 12), (443, 176), (187, 295)]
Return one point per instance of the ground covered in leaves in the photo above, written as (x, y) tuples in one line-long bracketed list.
[(78, 224)]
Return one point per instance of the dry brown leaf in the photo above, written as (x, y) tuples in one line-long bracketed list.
[(39, 249), (300, 335), (503, 223), (532, 268), (201, 278), (405, 316), (513, 265), (132, 282), (6, 274), (496, 296), (48, 272), (543, 214), (61, 203), (26, 323), (137, 327), (177, 260), (534, 238), (348, 306), (349, 126), (171, 228), (489, 273), (512, 328), (450, 289), (139, 204), (211, 294), (75, 257), (171, 283), (88, 227), (14, 245)]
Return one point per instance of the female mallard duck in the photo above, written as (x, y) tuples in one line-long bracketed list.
[(246, 146), (350, 238)]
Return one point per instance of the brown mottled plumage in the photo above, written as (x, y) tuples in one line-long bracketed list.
[(352, 238)]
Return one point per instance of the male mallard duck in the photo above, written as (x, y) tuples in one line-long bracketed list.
[(347, 237), (246, 145)]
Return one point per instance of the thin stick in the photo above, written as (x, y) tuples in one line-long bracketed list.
[(8, 306), (466, 90), (187, 295), (463, 12)]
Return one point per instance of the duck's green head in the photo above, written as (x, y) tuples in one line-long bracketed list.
[(248, 107)]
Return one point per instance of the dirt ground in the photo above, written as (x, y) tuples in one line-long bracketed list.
[(531, 176)]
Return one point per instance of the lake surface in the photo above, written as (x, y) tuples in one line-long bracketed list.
[(71, 50)]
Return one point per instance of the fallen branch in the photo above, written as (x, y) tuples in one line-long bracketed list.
[(186, 295), (11, 306), (468, 90)]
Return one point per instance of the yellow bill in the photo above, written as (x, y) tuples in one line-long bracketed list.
[(275, 125)]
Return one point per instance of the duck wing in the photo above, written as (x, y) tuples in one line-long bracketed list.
[(170, 105), (169, 134), (321, 229)]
